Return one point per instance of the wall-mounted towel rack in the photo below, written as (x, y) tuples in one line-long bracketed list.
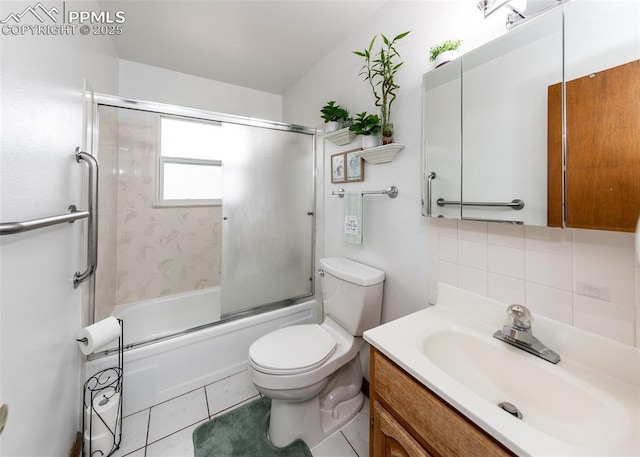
[(391, 192), (516, 204), (10, 228)]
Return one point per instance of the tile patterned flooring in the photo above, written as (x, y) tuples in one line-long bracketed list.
[(165, 430)]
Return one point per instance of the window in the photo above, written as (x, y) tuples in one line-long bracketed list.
[(189, 163)]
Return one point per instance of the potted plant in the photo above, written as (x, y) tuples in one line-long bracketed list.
[(367, 125), (380, 70), (334, 116), (445, 52)]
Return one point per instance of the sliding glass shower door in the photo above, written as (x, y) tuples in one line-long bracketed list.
[(267, 227)]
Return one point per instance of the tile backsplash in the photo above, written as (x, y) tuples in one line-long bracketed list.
[(586, 278)]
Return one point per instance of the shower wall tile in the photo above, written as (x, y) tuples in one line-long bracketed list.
[(171, 250), (160, 250)]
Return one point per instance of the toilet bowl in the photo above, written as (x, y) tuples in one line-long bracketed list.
[(313, 373)]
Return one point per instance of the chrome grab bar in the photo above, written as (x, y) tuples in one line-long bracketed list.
[(9, 228), (516, 204), (391, 192), (92, 226), (430, 177)]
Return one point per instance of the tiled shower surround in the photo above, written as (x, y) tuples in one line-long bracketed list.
[(147, 251), (586, 278)]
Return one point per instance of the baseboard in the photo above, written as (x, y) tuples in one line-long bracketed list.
[(76, 449)]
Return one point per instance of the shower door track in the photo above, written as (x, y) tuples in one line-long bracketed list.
[(195, 113)]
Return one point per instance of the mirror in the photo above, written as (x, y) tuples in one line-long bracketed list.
[(510, 133), (442, 116), (504, 125)]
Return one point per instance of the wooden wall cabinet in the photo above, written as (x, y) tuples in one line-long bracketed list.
[(407, 419)]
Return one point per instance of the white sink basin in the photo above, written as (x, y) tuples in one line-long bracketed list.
[(551, 400), (587, 404)]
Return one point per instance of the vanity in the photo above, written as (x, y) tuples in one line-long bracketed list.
[(409, 419), (439, 383)]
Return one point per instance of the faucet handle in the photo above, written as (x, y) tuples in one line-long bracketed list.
[(520, 316)]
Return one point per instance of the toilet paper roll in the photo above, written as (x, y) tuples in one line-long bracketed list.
[(100, 445), (104, 417), (98, 335)]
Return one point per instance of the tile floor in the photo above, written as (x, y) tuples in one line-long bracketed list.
[(165, 430)]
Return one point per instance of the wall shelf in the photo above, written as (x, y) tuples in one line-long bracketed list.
[(381, 154), (340, 137)]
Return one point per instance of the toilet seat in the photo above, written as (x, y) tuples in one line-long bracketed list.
[(292, 350)]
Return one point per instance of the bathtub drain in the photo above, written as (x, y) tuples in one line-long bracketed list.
[(511, 409)]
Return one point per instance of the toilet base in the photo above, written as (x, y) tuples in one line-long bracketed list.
[(315, 419)]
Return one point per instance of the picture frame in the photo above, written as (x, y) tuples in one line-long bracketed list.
[(338, 172), (354, 166)]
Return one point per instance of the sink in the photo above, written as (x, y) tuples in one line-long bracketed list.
[(588, 404), (550, 399)]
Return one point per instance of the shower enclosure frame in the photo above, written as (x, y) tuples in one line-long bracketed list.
[(113, 101)]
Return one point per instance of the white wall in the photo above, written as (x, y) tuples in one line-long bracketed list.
[(41, 125), (145, 82), (395, 234), (585, 278)]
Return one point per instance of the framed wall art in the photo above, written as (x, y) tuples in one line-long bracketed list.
[(338, 168), (354, 166)]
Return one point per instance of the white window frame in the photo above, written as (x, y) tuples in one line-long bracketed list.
[(160, 200)]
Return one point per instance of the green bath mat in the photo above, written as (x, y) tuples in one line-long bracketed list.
[(242, 432)]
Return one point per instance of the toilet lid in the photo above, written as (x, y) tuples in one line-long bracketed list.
[(294, 349)]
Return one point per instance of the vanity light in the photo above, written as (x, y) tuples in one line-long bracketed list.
[(515, 9)]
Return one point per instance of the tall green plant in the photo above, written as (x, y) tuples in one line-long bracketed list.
[(380, 70)]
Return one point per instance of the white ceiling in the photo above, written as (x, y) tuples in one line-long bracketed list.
[(261, 44)]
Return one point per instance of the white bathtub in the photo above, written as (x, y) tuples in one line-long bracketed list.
[(160, 371), (155, 318)]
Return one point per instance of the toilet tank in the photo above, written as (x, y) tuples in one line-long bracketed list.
[(351, 294)]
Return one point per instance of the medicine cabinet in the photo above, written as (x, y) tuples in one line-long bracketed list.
[(542, 125)]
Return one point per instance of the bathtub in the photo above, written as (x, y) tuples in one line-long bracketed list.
[(157, 372), (168, 315)]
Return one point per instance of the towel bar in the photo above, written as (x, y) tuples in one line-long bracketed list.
[(391, 192), (516, 204)]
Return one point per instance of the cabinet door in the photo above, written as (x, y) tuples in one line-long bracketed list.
[(390, 439)]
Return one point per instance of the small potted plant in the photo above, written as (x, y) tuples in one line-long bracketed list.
[(367, 125), (445, 52), (334, 116), (380, 71)]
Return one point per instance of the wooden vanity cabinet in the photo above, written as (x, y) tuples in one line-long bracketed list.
[(407, 419)]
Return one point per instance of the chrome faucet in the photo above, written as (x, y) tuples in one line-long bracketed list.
[(519, 334)]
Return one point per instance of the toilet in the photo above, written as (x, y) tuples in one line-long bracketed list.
[(311, 372)]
